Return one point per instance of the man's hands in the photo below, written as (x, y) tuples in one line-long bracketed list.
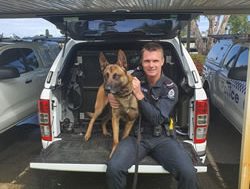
[(112, 101), (137, 88)]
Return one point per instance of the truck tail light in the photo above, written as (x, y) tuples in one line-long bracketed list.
[(44, 119), (201, 121)]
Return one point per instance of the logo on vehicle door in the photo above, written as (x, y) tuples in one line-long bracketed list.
[(230, 92)]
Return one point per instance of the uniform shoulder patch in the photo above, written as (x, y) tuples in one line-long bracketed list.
[(171, 94), (169, 83)]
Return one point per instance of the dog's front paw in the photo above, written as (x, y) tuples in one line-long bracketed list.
[(87, 136), (112, 151), (125, 136)]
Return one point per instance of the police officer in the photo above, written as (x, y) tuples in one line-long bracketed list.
[(157, 95)]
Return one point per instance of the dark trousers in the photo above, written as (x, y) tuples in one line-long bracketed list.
[(165, 150)]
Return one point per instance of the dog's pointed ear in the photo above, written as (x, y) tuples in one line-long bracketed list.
[(103, 61), (122, 59)]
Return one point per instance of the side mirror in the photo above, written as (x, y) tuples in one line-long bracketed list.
[(239, 73), (8, 73)]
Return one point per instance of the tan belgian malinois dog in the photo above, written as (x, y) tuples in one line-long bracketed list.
[(118, 82)]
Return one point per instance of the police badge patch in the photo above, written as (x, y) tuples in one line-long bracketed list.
[(171, 94)]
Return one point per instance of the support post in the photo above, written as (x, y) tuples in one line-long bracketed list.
[(244, 174)]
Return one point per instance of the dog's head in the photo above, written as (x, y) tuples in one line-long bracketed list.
[(115, 75)]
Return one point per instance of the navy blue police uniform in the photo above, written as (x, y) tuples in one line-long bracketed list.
[(155, 108)]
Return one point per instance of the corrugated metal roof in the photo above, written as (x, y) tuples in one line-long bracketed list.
[(40, 8)]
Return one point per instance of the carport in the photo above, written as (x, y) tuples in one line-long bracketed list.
[(48, 8), (35, 8)]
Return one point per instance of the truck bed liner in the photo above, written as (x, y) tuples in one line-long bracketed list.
[(73, 151)]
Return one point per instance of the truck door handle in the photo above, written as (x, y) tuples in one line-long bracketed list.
[(28, 81)]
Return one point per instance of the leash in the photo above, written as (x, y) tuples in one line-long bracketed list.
[(135, 179)]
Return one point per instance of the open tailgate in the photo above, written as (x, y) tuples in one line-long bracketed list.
[(74, 154)]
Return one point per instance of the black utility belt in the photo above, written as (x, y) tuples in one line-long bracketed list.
[(156, 132), (163, 130)]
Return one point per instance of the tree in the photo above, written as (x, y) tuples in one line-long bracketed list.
[(217, 25), (195, 32), (238, 24)]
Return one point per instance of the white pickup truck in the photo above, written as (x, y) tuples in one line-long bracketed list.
[(23, 69), (71, 86)]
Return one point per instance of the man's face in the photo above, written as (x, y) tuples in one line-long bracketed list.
[(152, 62)]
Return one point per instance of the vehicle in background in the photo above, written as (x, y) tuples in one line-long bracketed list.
[(71, 86), (23, 69), (224, 76)]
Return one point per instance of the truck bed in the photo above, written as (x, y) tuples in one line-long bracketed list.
[(72, 153)]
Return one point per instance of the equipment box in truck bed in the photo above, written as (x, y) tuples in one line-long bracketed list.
[(72, 83)]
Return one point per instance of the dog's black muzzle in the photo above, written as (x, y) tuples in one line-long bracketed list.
[(111, 89), (107, 89)]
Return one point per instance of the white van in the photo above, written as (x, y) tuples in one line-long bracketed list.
[(71, 86)]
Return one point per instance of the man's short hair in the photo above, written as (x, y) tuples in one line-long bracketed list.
[(152, 46)]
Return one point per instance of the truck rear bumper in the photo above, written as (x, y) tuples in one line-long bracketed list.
[(102, 167)]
